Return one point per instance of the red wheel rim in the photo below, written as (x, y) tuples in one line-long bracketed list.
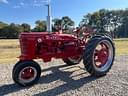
[(101, 54), (27, 73)]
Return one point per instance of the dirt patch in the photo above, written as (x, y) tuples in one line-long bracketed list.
[(62, 80)]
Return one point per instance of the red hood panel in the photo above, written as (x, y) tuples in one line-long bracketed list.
[(47, 36)]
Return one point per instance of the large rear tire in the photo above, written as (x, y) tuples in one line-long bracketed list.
[(99, 55), (26, 73)]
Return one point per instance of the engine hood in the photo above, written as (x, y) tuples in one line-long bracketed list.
[(48, 36)]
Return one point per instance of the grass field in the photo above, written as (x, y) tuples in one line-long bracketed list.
[(121, 46), (9, 49)]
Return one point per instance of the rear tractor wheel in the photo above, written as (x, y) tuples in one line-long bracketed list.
[(99, 55)]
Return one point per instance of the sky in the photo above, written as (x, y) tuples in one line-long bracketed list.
[(28, 11)]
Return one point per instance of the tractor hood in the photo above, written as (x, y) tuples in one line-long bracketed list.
[(47, 36)]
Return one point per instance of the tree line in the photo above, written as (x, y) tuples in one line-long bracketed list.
[(113, 22), (12, 31)]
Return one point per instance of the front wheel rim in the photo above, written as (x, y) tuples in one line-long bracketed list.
[(27, 74)]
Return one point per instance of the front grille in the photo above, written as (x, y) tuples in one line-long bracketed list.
[(24, 45)]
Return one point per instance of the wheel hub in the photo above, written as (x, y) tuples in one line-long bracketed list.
[(27, 73), (101, 55)]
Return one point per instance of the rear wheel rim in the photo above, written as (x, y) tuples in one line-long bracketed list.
[(103, 55), (27, 74)]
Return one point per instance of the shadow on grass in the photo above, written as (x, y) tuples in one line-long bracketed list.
[(57, 74)]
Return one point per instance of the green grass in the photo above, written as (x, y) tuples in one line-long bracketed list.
[(10, 50), (121, 46)]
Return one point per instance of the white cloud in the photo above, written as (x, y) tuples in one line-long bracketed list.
[(17, 6), (22, 4), (39, 3), (4, 1), (34, 3)]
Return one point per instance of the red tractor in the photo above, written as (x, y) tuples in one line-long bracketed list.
[(97, 53)]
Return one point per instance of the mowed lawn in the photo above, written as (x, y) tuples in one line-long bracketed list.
[(10, 49), (121, 46)]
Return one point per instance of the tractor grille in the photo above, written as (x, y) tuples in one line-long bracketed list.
[(24, 45)]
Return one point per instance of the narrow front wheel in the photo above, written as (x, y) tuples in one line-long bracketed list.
[(26, 73)]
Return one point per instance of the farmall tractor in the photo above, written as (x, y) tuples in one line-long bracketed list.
[(96, 51)]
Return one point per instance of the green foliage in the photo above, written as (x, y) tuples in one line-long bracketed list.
[(2, 25), (26, 27), (114, 22), (65, 24), (40, 26), (57, 24), (12, 31)]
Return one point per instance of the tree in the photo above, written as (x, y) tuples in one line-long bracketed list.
[(2, 26), (14, 30), (57, 24), (97, 20), (123, 29), (26, 27), (11, 31), (104, 21), (65, 23), (40, 26)]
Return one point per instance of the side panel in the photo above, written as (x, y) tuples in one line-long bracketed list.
[(58, 49), (48, 46)]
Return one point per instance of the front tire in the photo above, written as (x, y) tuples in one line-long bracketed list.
[(99, 55), (26, 73)]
